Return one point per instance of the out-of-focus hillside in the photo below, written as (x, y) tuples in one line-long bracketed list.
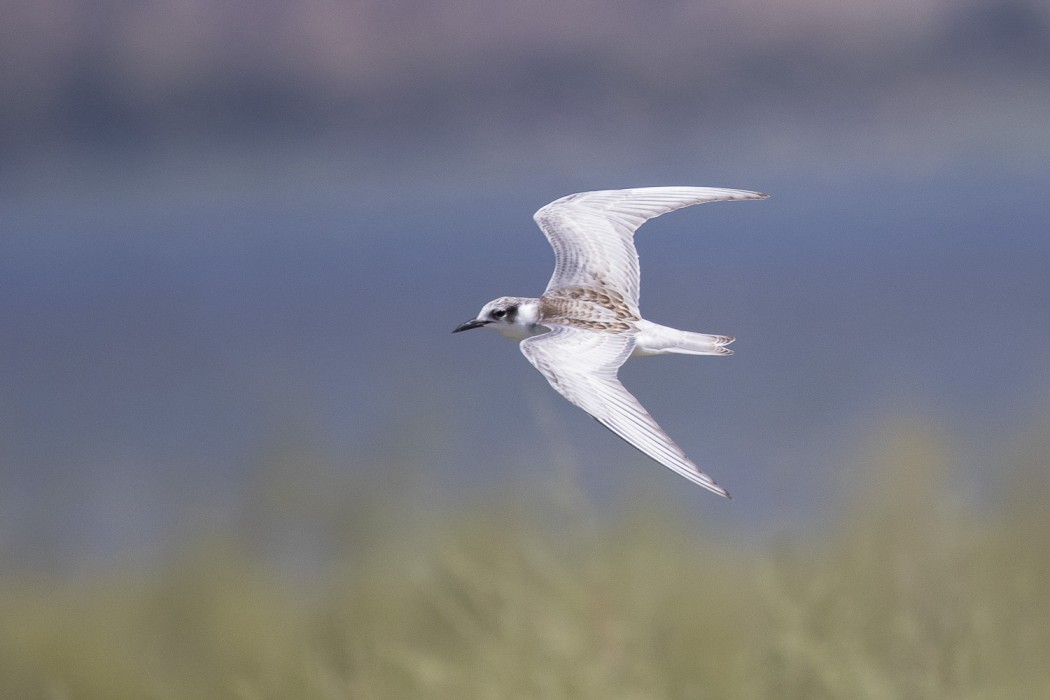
[(141, 75)]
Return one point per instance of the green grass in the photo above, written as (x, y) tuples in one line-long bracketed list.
[(909, 594)]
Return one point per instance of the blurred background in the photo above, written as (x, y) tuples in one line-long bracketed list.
[(241, 455)]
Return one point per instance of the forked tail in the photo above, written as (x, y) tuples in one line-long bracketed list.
[(654, 339)]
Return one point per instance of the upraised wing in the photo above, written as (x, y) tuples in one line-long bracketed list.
[(592, 233), (582, 365)]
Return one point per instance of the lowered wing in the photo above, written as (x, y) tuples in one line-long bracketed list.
[(582, 365)]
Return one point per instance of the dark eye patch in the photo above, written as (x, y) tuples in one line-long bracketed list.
[(509, 313)]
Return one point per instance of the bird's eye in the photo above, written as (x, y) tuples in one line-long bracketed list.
[(499, 313)]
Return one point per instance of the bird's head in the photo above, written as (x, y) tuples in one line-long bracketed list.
[(514, 317)]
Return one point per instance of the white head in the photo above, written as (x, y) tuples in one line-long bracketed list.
[(515, 317)]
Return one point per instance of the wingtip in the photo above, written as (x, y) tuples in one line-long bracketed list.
[(716, 489), (746, 196), (708, 483)]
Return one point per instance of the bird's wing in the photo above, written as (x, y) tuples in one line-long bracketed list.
[(592, 233), (581, 365)]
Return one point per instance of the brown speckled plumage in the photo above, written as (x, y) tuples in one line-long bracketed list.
[(587, 307)]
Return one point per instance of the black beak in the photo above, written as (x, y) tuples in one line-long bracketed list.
[(473, 323)]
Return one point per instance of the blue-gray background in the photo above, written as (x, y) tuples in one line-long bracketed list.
[(229, 229)]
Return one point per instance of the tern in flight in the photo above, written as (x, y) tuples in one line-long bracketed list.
[(587, 323)]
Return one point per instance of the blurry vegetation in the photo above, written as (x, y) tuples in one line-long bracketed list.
[(910, 594)]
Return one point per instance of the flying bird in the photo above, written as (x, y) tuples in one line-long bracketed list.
[(586, 324)]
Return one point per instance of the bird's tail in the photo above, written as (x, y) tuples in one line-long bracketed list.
[(655, 339)]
